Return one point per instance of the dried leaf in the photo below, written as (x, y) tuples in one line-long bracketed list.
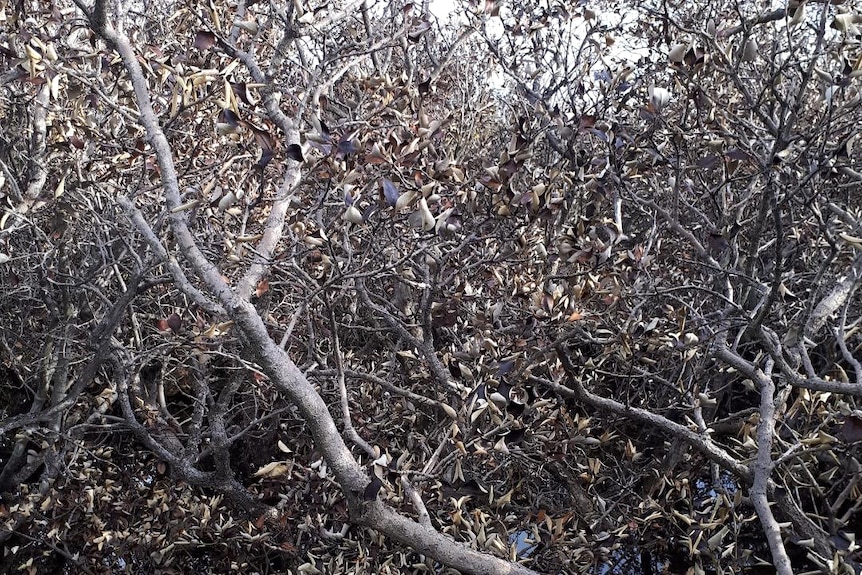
[(372, 489), (204, 40), (273, 469), (390, 192), (450, 411), (424, 217), (228, 122), (353, 215), (405, 199), (346, 147), (174, 322), (265, 158), (851, 429), (241, 90), (294, 152)]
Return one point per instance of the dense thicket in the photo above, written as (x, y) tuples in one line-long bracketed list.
[(349, 288)]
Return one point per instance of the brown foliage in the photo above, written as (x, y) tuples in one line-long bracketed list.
[(303, 288)]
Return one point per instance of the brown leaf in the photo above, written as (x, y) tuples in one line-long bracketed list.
[(265, 158), (852, 428), (294, 152), (372, 489), (241, 90), (204, 40), (228, 122), (175, 322), (262, 137), (273, 469)]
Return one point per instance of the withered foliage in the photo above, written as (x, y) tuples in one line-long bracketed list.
[(298, 287)]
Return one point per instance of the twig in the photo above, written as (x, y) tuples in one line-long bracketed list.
[(346, 421)]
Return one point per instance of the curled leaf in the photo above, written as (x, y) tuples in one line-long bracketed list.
[(265, 158), (405, 199), (294, 152), (228, 122), (353, 215), (273, 469), (427, 218)]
